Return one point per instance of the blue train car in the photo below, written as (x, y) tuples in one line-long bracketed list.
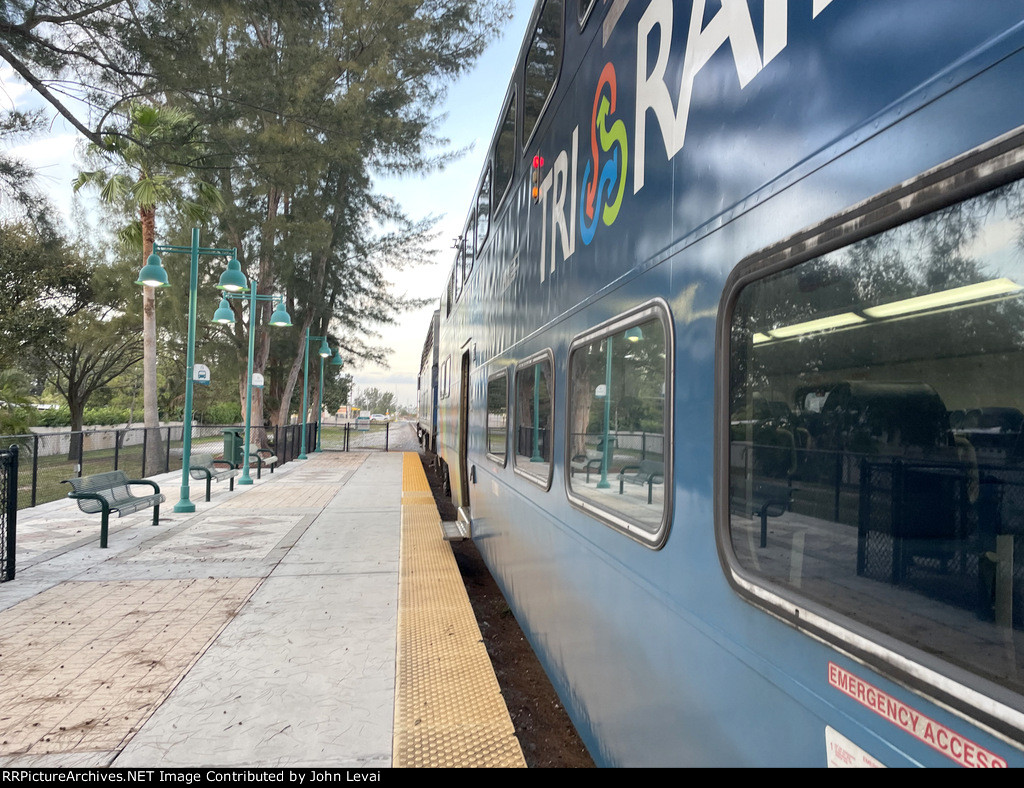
[(731, 377)]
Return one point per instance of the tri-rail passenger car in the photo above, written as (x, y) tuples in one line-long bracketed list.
[(731, 376)]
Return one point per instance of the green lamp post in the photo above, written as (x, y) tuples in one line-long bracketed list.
[(325, 353), (154, 275), (226, 316)]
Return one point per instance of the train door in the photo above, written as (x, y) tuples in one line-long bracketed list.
[(464, 433)]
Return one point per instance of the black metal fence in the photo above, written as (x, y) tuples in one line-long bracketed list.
[(48, 459), (8, 511)]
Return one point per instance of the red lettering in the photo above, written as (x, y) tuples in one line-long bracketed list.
[(968, 752), (942, 738), (929, 734)]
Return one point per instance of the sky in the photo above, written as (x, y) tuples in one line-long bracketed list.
[(470, 116)]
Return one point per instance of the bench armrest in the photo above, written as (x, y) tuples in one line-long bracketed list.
[(154, 485), (84, 496)]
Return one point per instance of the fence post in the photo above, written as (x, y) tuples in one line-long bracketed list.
[(643, 445), (35, 467), (167, 465), (117, 445), (387, 434), (81, 454), (11, 494), (145, 440)]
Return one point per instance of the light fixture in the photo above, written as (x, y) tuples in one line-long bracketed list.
[(153, 273), (224, 314), (956, 295), (758, 338), (233, 280), (280, 316), (325, 352), (635, 334), (813, 326)]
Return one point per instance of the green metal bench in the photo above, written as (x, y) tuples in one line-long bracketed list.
[(203, 466), (262, 458), (649, 472), (109, 492)]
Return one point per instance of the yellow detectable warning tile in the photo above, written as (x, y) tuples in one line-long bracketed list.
[(449, 711), (86, 663)]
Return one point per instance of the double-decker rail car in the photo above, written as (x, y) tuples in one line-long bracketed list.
[(426, 389), (731, 376)]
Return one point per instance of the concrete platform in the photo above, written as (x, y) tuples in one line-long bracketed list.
[(260, 631)]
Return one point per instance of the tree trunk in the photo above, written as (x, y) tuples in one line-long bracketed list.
[(284, 411), (155, 456)]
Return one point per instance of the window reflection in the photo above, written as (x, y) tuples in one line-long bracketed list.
[(617, 424), (497, 417), (483, 212), (542, 63), (876, 452), (505, 152), (533, 419)]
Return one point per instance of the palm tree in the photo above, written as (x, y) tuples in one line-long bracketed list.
[(149, 166)]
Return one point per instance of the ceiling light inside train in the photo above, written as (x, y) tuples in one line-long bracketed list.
[(957, 295)]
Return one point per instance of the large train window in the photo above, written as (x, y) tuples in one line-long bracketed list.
[(505, 152), (542, 62), (618, 464), (875, 443), (497, 417), (534, 419)]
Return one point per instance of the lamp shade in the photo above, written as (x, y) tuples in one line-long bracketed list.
[(233, 280), (280, 316), (325, 352), (337, 361), (635, 334), (152, 273), (224, 314)]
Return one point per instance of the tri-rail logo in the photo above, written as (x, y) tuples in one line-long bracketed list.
[(613, 174), (663, 36), (936, 735)]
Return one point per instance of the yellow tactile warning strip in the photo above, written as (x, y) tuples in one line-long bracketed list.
[(85, 664), (449, 710)]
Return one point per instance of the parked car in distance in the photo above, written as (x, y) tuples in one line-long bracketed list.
[(379, 417)]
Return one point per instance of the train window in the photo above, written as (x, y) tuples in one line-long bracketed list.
[(468, 245), (459, 273), (583, 9), (497, 417), (444, 385), (876, 449), (542, 62), (505, 152), (450, 295), (618, 459), (483, 212), (534, 419)]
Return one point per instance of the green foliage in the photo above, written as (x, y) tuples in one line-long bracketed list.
[(221, 413), (373, 400), (16, 412), (43, 282), (54, 417), (336, 390)]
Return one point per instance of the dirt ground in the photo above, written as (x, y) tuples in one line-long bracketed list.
[(545, 733)]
